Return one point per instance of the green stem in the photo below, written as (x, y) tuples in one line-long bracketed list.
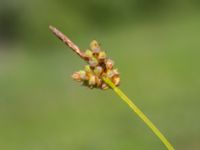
[(140, 114)]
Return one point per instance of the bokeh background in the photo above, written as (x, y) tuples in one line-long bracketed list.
[(156, 47)]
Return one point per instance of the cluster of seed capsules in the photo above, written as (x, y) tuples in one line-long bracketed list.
[(99, 67)]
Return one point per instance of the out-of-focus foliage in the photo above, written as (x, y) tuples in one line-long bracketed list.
[(155, 44), (26, 20)]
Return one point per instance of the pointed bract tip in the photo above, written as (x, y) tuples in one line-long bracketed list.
[(52, 28)]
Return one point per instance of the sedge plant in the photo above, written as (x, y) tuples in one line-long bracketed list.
[(100, 73)]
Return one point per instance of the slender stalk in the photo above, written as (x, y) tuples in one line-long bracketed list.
[(140, 114)]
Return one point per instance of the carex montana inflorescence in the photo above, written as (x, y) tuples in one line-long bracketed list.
[(100, 73), (99, 67)]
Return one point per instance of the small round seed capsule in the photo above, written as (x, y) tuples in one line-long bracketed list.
[(76, 76), (93, 62), (88, 53), (110, 73), (102, 55), (87, 69), (92, 80), (94, 46), (116, 80), (98, 70), (82, 74), (109, 64), (104, 86), (115, 71)]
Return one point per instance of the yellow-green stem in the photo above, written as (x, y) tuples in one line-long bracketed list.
[(142, 116)]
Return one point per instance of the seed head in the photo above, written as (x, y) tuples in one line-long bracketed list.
[(99, 67)]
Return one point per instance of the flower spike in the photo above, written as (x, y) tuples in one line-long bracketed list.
[(99, 65)]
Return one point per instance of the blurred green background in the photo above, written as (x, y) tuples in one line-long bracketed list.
[(156, 47)]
